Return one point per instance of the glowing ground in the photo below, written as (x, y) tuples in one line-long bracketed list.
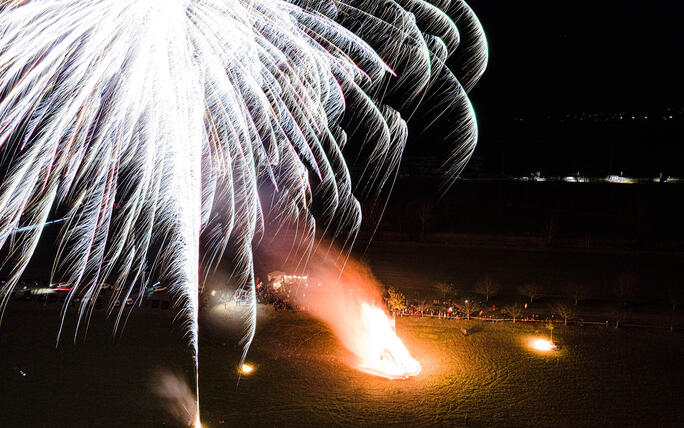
[(600, 376)]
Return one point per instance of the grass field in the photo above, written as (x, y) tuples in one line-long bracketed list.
[(600, 377)]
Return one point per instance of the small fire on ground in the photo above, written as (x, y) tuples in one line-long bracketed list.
[(542, 345)]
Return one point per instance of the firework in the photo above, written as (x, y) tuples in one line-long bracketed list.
[(152, 125)]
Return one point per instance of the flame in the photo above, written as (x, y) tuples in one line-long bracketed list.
[(246, 369), (349, 300), (382, 352), (542, 345)]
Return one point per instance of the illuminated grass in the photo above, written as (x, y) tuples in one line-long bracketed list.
[(599, 376)]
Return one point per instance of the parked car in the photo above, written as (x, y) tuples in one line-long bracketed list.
[(61, 287)]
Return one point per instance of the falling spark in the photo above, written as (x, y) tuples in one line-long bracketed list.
[(179, 111), (178, 397), (36, 226)]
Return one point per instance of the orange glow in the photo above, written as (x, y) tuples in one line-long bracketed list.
[(351, 303), (197, 423), (382, 353), (246, 369), (542, 345)]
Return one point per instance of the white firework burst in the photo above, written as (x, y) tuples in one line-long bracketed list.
[(181, 110)]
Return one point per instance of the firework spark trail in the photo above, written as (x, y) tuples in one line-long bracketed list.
[(36, 226), (182, 110)]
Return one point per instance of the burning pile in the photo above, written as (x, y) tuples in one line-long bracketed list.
[(351, 304), (383, 353)]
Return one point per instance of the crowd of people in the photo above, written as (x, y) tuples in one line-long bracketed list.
[(285, 292)]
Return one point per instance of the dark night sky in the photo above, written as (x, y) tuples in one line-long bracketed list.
[(595, 55), (553, 58)]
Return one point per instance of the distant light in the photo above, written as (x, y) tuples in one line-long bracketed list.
[(620, 179), (246, 369), (542, 345), (213, 292)]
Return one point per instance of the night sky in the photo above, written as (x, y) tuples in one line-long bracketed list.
[(551, 59), (582, 55)]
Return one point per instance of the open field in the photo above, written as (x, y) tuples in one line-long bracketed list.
[(414, 267), (600, 377)]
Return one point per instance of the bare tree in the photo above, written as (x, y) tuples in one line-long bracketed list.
[(515, 310), (531, 290), (424, 213), (577, 291), (565, 311), (675, 295), (422, 307), (487, 287), (397, 300), (446, 289), (468, 306), (372, 215), (550, 326), (626, 287), (619, 315)]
